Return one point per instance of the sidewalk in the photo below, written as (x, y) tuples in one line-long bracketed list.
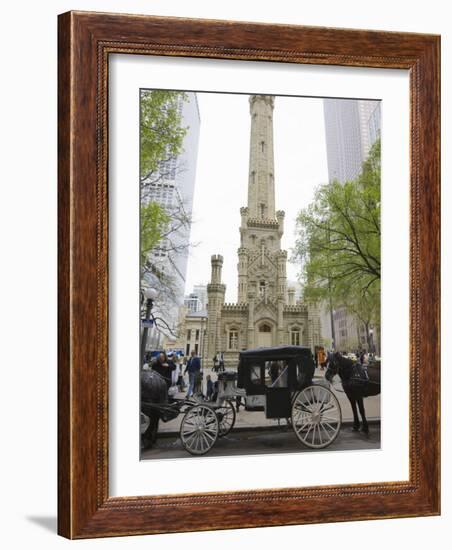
[(256, 419)]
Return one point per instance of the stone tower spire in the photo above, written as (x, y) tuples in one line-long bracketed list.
[(261, 266), (266, 313), (215, 301), (261, 186)]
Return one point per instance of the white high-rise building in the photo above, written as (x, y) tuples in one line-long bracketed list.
[(201, 293), (196, 300), (174, 189)]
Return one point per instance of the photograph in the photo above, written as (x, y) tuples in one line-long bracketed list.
[(260, 270), (235, 211)]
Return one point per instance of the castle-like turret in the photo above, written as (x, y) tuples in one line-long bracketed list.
[(215, 300)]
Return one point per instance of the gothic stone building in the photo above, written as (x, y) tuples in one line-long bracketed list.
[(265, 313)]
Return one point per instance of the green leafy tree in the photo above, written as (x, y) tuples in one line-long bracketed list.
[(154, 224), (161, 142), (161, 131), (365, 307), (338, 241)]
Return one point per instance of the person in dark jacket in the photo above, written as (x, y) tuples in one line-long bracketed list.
[(209, 391), (194, 369)]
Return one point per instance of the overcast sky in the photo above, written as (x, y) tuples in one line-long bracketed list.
[(222, 177)]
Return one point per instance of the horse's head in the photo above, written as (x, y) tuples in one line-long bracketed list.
[(333, 365)]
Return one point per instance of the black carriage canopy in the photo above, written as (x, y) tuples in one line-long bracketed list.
[(299, 359)]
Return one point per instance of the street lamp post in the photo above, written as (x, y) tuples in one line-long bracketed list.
[(201, 342), (371, 338), (150, 294), (333, 330)]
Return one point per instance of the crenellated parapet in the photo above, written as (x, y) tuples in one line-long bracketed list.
[(264, 223), (297, 308), (235, 307)]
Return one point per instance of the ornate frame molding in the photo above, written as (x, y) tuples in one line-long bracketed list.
[(85, 42)]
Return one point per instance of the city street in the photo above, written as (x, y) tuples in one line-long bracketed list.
[(253, 433), (266, 441), (247, 419)]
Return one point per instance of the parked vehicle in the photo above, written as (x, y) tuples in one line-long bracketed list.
[(278, 380)]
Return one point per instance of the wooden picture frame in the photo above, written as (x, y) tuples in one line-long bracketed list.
[(86, 40)]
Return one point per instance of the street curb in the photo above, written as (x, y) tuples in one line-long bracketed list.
[(346, 423)]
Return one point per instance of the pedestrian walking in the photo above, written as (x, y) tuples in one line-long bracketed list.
[(209, 391), (180, 383), (194, 369), (216, 362), (322, 358)]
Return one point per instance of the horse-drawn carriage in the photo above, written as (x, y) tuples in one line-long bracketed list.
[(278, 380), (203, 421)]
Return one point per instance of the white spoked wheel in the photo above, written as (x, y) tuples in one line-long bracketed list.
[(199, 430), (316, 417), (226, 418)]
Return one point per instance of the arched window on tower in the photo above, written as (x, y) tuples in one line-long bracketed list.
[(295, 336), (262, 290), (233, 339)]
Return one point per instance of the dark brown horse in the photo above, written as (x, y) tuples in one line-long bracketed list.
[(154, 392), (358, 382)]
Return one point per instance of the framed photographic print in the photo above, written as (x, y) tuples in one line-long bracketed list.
[(248, 275)]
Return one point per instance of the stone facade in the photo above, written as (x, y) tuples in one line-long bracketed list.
[(192, 333), (266, 313)]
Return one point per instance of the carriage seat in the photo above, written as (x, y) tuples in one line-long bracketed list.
[(228, 375)]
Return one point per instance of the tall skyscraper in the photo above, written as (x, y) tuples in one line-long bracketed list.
[(351, 127), (173, 188)]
